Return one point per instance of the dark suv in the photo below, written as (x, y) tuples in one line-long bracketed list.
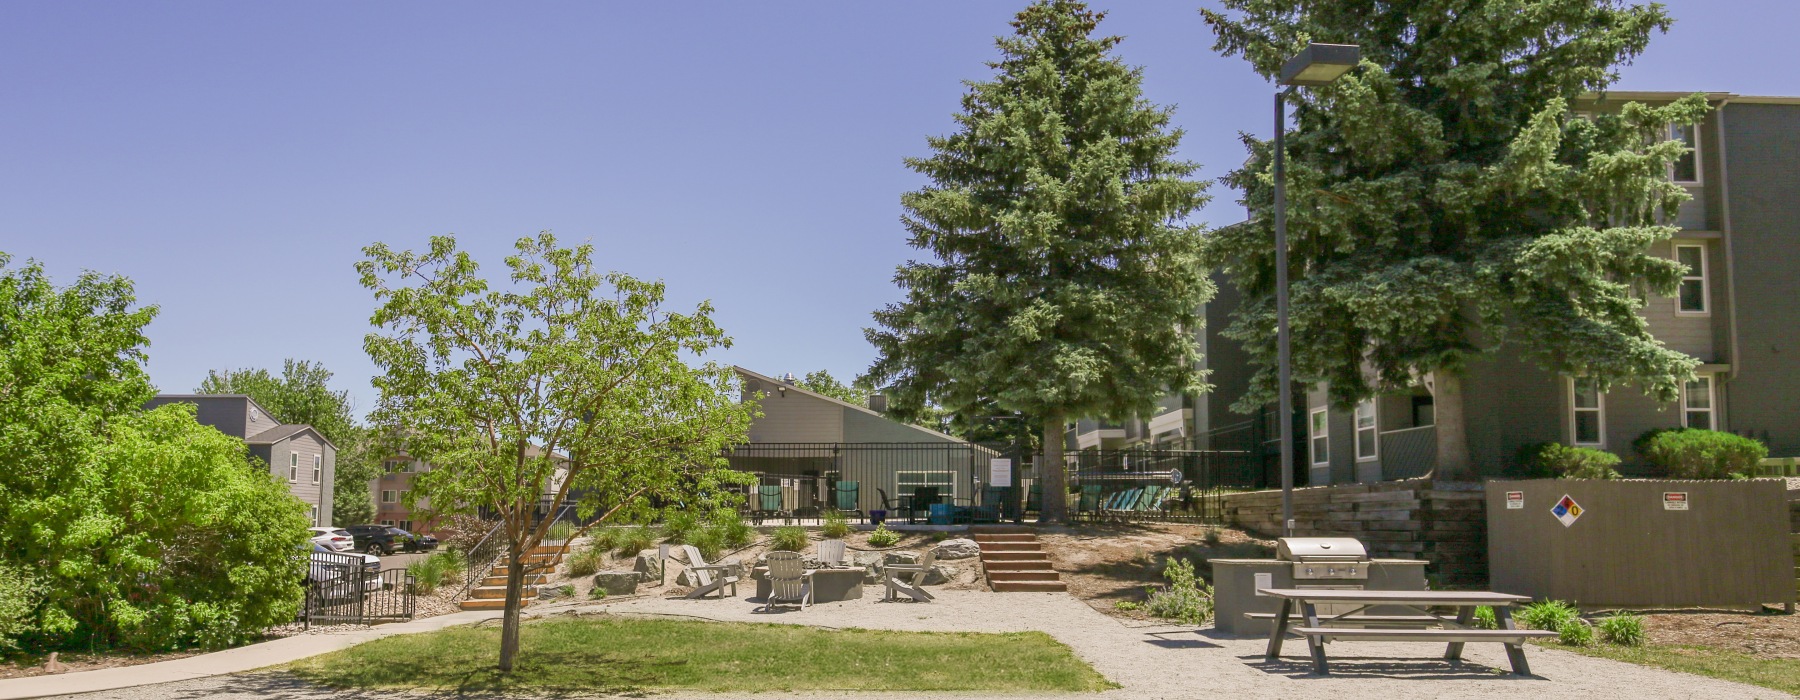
[(387, 539)]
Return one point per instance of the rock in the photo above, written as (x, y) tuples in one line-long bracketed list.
[(940, 574), (54, 666), (900, 558), (958, 549), (649, 565), (617, 582), (685, 579)]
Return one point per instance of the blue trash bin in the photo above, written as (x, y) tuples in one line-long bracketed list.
[(940, 513)]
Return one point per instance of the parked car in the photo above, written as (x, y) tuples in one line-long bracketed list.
[(331, 573), (336, 539), (386, 539)]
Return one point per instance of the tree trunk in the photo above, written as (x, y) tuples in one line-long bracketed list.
[(1051, 474), (1453, 463), (509, 626)]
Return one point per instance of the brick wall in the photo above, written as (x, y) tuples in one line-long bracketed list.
[(1444, 523)]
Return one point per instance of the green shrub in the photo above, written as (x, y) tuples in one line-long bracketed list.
[(586, 561), (1683, 453), (733, 530), (1576, 633), (597, 593), (1484, 619), (1565, 462), (790, 538), (560, 531), (679, 526), (709, 540), (1185, 598), (1548, 615), (883, 537), (1125, 605), (1623, 629), (836, 525), (19, 593), (455, 566), (426, 573), (631, 540)]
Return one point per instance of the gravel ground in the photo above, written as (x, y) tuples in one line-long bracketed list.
[(1149, 661)]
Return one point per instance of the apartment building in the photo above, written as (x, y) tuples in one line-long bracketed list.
[(298, 455)]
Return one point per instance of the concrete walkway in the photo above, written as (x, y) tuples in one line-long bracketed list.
[(246, 658)]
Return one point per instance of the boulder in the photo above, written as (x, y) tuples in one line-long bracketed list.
[(958, 549), (900, 558), (649, 565), (617, 582), (940, 574)]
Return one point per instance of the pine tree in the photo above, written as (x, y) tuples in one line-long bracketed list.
[(1064, 282), (1445, 202)]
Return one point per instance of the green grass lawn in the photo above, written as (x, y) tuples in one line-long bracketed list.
[(1777, 674), (614, 655)]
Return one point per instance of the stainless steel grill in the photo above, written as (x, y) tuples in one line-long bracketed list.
[(1325, 558)]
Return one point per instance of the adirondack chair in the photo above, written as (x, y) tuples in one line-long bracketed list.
[(831, 553), (909, 579), (709, 578), (768, 504), (789, 581), (848, 499)]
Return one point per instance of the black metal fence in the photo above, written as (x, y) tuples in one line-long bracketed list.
[(346, 589)]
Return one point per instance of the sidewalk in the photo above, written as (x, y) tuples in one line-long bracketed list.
[(237, 660)]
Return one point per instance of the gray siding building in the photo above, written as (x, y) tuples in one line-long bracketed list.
[(296, 454)]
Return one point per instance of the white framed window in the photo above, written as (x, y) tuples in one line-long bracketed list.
[(318, 468), (1693, 298), (387, 523), (389, 496), (1697, 404), (315, 516), (1319, 429), (1368, 442), (1686, 168), (406, 525), (1587, 413), (293, 466), (905, 482)]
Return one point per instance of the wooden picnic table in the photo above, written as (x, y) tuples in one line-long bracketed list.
[(1455, 632)]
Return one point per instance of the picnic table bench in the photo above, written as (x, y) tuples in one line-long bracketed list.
[(1454, 632)]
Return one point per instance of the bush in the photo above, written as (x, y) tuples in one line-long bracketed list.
[(709, 540), (456, 565), (679, 526), (426, 574), (883, 537), (836, 525), (597, 593), (1484, 619), (1565, 462), (733, 530), (460, 532), (1624, 629), (1576, 633), (1682, 453), (560, 531), (19, 594), (1548, 615), (790, 538), (586, 561), (1185, 598)]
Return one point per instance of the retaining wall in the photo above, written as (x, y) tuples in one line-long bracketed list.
[(1441, 522)]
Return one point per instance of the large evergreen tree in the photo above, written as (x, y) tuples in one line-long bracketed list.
[(1065, 282), (1444, 200)]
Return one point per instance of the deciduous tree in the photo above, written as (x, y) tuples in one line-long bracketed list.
[(560, 382), (1064, 282), (1445, 203)]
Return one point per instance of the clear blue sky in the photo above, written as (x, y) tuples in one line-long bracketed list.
[(233, 158)]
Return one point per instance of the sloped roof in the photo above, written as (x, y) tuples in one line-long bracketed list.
[(845, 404)]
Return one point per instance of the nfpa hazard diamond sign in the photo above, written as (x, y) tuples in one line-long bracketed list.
[(1567, 510)]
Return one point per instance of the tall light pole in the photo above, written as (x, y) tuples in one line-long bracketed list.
[(1318, 64)]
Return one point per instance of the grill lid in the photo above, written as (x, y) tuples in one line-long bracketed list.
[(1320, 549)]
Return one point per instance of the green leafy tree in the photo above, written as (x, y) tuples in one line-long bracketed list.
[(120, 527), (302, 394), (565, 383), (1064, 282), (822, 382), (1445, 203)]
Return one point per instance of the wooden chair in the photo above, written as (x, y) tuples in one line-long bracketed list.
[(831, 553), (909, 578), (709, 578), (789, 581)]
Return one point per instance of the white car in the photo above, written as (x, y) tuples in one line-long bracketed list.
[(333, 538)]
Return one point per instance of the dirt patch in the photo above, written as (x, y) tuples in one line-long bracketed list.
[(1107, 564), (1762, 636), (21, 667)]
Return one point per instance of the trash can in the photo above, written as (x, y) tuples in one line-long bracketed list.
[(940, 513)]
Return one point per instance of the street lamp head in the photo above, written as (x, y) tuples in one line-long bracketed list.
[(1319, 64)]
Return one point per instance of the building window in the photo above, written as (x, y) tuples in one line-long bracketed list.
[(1318, 427), (389, 496), (1697, 404), (905, 482), (293, 466), (1588, 412), (406, 525), (387, 523), (315, 516), (318, 468), (1367, 444), (1686, 168), (1693, 296)]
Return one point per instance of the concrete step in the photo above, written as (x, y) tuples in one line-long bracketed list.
[(1032, 546), (987, 556), (490, 604), (1018, 565), (1029, 586), (998, 576), (999, 538)]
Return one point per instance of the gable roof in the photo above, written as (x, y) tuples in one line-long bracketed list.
[(842, 403), (285, 431)]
